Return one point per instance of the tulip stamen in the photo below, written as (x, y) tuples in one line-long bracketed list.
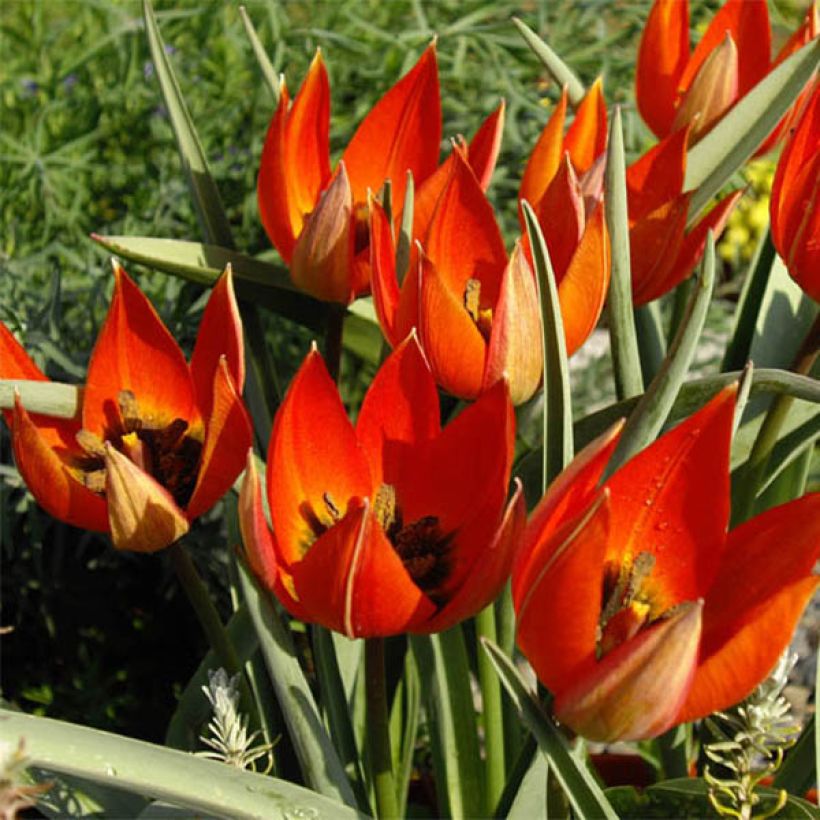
[(168, 453), (483, 317)]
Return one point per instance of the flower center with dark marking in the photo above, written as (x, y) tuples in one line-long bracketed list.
[(424, 550), (627, 604), (482, 316), (166, 452)]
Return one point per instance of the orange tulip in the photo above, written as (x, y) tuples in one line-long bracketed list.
[(795, 202), (635, 607), (662, 252), (393, 525), (317, 219), (476, 312), (563, 181), (676, 89), (158, 441)]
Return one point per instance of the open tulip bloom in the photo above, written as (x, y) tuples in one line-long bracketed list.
[(158, 442), (635, 607), (318, 219), (393, 525), (675, 89)]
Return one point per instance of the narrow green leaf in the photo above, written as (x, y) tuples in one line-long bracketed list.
[(317, 757), (445, 676), (205, 194), (405, 238), (410, 707), (712, 161), (557, 420), (626, 362), (78, 797), (268, 71), (651, 342), (519, 769), (584, 794), (49, 398), (739, 348), (798, 773), (530, 801), (164, 774), (560, 71), (652, 410)]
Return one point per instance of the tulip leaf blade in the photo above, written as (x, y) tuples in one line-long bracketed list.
[(647, 419), (560, 71), (203, 786), (56, 399), (712, 161), (204, 192), (626, 362), (586, 797), (266, 67), (318, 759), (798, 772), (557, 405)]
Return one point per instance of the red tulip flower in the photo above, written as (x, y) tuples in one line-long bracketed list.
[(393, 525), (158, 441), (563, 181), (476, 312), (677, 89), (662, 252), (795, 202), (635, 607)]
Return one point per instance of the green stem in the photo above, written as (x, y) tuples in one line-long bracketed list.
[(333, 340), (767, 436), (378, 737), (651, 346), (493, 714)]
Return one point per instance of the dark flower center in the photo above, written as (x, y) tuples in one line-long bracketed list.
[(166, 452)]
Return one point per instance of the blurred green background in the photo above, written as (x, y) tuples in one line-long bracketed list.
[(103, 638)]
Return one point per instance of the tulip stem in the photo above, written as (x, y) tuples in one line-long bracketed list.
[(767, 436), (378, 734), (493, 715)]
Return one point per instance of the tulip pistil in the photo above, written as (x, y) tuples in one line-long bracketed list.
[(483, 317), (423, 548), (166, 452)]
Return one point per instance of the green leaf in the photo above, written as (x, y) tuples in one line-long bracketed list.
[(712, 161), (651, 340), (404, 723), (560, 71), (49, 398), (78, 797), (163, 774), (317, 757), (583, 792), (798, 772), (652, 410), (405, 237), (205, 194), (530, 801), (557, 406), (268, 71), (445, 678), (626, 362)]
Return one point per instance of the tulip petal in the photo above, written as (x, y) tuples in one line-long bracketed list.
[(583, 289), (295, 164), (485, 145), (313, 458), (635, 692), (559, 608), (260, 545), (399, 412), (570, 493), (402, 132), (50, 481), (220, 334), (545, 158), (490, 569), (748, 24), (383, 280), (657, 176), (561, 216), (755, 602), (228, 435), (657, 507), (662, 57), (514, 349), (586, 137), (142, 515), (322, 263), (450, 338), (134, 351)]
